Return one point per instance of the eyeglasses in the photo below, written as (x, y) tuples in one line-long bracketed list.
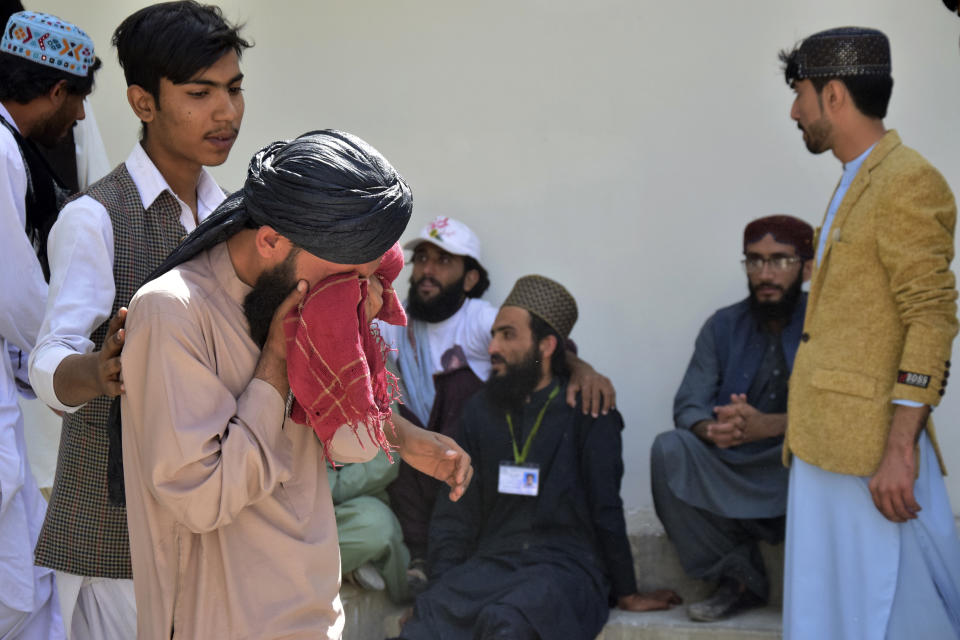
[(755, 264)]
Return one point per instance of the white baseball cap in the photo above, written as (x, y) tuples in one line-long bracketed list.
[(450, 235)]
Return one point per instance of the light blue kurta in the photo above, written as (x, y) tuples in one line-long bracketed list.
[(851, 574)]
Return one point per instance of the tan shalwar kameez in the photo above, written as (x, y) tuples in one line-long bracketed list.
[(232, 530)]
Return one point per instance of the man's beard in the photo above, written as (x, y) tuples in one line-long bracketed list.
[(272, 288), (818, 135), (443, 305), (776, 311), (54, 129), (509, 390)]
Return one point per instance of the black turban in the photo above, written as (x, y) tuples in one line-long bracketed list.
[(327, 191)]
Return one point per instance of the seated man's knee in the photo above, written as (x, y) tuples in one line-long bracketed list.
[(370, 524), (503, 622), (664, 446)]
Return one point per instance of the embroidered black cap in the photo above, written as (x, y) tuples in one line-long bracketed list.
[(842, 52)]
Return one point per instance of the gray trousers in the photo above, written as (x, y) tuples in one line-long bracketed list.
[(711, 546)]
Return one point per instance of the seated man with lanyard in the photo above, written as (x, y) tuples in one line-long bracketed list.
[(537, 546), (441, 358)]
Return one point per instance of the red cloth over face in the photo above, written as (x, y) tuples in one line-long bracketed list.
[(335, 356)]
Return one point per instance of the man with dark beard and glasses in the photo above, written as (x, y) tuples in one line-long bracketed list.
[(718, 482), (441, 357), (537, 547), (232, 529)]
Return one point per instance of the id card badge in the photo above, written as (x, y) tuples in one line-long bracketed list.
[(519, 479)]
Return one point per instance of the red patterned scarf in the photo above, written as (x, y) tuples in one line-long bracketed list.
[(335, 356)]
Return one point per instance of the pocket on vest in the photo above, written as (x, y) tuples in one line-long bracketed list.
[(848, 382)]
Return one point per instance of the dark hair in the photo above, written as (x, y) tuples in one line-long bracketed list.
[(558, 361), (173, 40), (870, 93), (8, 8), (22, 80), (483, 283)]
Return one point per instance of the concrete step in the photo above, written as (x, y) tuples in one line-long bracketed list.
[(369, 614), (758, 624), (658, 567)]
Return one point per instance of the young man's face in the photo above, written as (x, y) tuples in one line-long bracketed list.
[(197, 122), (807, 112)]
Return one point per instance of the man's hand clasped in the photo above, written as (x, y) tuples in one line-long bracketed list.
[(738, 423)]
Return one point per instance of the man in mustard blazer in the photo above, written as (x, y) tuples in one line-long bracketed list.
[(872, 549)]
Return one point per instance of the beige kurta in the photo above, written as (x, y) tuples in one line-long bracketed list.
[(232, 532)]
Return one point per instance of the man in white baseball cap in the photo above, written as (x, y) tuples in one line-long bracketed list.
[(441, 357)]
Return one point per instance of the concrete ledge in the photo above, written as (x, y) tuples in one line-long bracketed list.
[(658, 567), (758, 624), (370, 615)]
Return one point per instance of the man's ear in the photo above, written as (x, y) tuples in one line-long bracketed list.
[(834, 95), (270, 244), (807, 270), (470, 280), (548, 345), (142, 102), (58, 93)]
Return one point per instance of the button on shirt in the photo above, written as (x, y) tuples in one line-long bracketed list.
[(81, 253)]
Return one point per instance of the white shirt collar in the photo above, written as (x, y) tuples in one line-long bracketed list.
[(151, 183)]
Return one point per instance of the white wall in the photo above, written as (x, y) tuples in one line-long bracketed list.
[(616, 146)]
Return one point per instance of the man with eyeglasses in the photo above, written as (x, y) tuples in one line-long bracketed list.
[(718, 484)]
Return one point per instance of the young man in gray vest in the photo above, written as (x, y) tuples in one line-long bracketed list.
[(181, 62), (41, 97)]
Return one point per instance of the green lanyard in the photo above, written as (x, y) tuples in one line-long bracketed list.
[(518, 456)]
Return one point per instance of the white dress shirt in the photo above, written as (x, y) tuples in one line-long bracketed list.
[(24, 588), (81, 252)]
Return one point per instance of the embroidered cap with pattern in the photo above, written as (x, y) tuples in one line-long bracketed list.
[(913, 379), (547, 299), (48, 40)]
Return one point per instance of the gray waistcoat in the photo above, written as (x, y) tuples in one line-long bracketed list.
[(83, 533)]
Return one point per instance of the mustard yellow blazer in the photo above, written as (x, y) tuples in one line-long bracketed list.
[(881, 314)]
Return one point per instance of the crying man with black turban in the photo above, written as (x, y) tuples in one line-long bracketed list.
[(232, 529)]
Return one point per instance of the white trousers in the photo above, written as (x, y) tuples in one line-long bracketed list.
[(851, 574), (43, 623), (97, 608)]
